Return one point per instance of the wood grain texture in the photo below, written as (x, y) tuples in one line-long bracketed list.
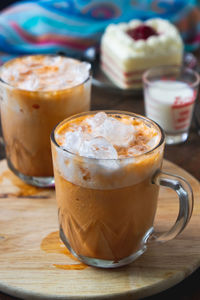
[(35, 264)]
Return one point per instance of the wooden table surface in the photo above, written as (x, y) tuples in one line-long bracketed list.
[(186, 155)]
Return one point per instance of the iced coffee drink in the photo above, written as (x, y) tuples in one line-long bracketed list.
[(37, 92), (103, 166), (107, 178)]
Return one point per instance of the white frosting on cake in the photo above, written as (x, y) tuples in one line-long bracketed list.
[(168, 39), (124, 59)]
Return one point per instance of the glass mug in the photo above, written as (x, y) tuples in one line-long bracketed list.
[(106, 207), (28, 114)]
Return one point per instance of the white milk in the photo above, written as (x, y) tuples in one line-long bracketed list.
[(170, 104)]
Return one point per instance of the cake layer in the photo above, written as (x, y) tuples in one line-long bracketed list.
[(120, 79), (132, 79)]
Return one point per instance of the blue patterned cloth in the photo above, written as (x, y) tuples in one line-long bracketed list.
[(47, 26)]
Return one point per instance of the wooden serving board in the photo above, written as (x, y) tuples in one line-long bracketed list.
[(34, 264)]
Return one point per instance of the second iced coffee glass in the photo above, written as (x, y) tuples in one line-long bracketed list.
[(37, 92)]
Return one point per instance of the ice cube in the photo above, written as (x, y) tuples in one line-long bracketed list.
[(75, 73), (98, 147), (96, 120), (134, 151), (29, 83), (84, 68), (153, 141), (73, 140), (116, 132)]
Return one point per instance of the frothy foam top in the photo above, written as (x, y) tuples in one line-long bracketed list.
[(44, 72), (105, 136), (115, 143)]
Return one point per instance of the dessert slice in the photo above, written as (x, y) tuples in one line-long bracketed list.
[(128, 49)]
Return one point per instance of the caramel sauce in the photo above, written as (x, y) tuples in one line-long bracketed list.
[(36, 106), (52, 244), (24, 189)]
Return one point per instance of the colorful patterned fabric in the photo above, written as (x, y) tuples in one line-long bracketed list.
[(47, 26)]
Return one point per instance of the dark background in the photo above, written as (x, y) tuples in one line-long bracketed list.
[(5, 3)]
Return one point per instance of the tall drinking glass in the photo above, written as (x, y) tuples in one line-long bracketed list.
[(37, 92)]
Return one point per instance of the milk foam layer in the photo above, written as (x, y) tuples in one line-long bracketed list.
[(108, 137), (44, 72), (106, 152)]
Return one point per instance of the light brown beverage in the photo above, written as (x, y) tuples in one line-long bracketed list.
[(104, 165), (38, 92)]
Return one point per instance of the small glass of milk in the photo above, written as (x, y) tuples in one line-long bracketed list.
[(169, 95)]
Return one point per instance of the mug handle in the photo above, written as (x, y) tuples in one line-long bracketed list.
[(185, 195)]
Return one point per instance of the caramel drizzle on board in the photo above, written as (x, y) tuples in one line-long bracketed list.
[(23, 190), (52, 244)]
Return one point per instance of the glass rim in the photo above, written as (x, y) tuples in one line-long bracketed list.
[(171, 67), (4, 83), (159, 128)]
